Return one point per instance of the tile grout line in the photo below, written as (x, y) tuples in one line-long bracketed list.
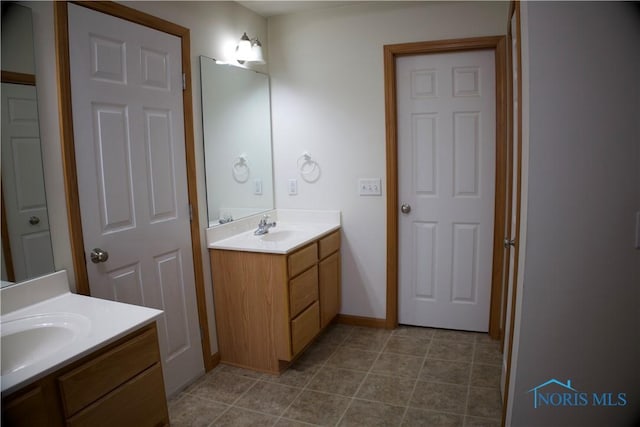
[(232, 404), (310, 380), (186, 394), (415, 384), (466, 404), (352, 398)]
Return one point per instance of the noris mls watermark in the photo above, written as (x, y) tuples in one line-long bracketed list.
[(554, 393)]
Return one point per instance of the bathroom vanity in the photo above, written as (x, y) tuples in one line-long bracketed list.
[(79, 361), (120, 384), (275, 293)]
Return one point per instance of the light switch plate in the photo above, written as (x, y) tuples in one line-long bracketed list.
[(370, 186), (293, 187), (257, 187)]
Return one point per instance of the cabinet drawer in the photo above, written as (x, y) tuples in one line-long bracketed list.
[(27, 409), (329, 244), (303, 290), (139, 402), (302, 259), (94, 379), (305, 327)]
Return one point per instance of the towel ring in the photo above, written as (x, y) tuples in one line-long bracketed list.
[(240, 169), (309, 169)]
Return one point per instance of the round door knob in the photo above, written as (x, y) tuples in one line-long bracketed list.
[(405, 208), (34, 220), (98, 255)]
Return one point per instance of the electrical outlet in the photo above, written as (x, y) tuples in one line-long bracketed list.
[(257, 187), (370, 186), (293, 187)]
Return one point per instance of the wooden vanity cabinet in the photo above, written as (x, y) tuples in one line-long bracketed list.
[(269, 307), (121, 384)]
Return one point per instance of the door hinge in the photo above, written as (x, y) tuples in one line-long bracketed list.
[(509, 243), (201, 334), (184, 81), (190, 212)]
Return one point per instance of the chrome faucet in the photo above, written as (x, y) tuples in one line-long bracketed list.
[(264, 226)]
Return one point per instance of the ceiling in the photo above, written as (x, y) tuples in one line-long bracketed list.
[(272, 8)]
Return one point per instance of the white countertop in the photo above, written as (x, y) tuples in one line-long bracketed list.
[(294, 229), (107, 322), (282, 239)]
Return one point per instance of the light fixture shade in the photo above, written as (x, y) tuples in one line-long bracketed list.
[(256, 50), (249, 50), (244, 51)]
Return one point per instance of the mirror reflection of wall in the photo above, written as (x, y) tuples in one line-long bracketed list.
[(26, 240), (237, 138)]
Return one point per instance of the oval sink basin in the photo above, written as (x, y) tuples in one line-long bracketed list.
[(278, 236), (28, 340)]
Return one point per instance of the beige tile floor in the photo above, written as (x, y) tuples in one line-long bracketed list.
[(355, 376)]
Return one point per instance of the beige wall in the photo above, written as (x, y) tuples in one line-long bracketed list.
[(327, 81)]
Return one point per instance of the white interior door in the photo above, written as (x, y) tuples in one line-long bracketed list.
[(23, 183), (132, 181), (446, 160)]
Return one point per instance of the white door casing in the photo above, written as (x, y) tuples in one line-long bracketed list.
[(446, 172), (23, 183), (132, 180)]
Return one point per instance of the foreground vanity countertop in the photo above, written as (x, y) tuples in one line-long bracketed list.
[(94, 323), (293, 230)]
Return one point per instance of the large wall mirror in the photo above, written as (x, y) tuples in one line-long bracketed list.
[(236, 120), (26, 240)]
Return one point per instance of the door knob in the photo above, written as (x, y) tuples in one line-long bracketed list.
[(405, 208), (98, 255), (34, 220)]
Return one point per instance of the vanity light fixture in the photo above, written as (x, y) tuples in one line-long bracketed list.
[(249, 50)]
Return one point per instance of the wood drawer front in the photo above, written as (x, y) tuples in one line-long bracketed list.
[(28, 409), (99, 376), (302, 259), (329, 244), (139, 402), (305, 327), (303, 290)]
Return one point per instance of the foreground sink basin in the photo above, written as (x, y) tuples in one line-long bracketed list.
[(29, 339)]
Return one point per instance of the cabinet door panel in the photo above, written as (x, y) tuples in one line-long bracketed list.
[(329, 284)]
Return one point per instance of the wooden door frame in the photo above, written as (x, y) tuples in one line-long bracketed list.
[(68, 151), (515, 143), (391, 52)]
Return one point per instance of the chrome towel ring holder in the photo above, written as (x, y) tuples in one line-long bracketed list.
[(309, 168), (240, 169)]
